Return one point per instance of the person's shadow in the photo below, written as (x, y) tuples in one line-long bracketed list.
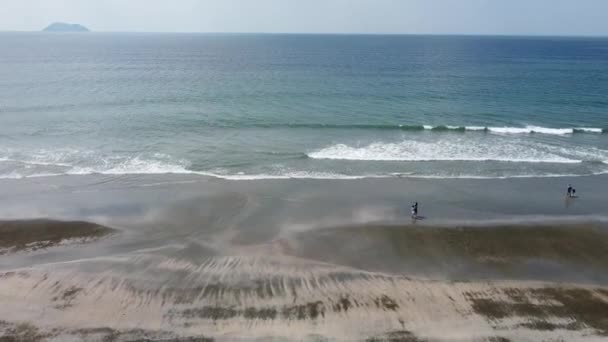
[(417, 218), (569, 201)]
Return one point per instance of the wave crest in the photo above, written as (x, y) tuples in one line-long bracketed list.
[(441, 128)]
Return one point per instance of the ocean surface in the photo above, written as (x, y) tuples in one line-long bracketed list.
[(302, 106)]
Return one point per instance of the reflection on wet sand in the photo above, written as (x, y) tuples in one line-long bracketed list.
[(41, 234), (243, 262), (173, 294)]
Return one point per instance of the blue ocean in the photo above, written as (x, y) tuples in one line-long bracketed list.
[(249, 106)]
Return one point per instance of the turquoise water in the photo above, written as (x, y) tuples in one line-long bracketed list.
[(302, 106)]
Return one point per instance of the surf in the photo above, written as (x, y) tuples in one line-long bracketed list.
[(528, 129)]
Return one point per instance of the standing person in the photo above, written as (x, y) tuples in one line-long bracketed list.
[(415, 211), (569, 191)]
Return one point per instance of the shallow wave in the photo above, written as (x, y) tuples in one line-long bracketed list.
[(156, 164), (303, 175), (33, 163), (16, 175), (132, 166), (439, 128), (46, 163), (289, 175), (458, 150), (335, 176), (321, 176), (73, 162)]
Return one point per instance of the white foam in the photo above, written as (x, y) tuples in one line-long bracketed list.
[(15, 175), (519, 130), (509, 130), (429, 127), (469, 148), (475, 128), (554, 131), (531, 129), (441, 150), (325, 176), (313, 175), (289, 175), (539, 175), (11, 175), (587, 153), (43, 163), (590, 130), (30, 162), (133, 166)]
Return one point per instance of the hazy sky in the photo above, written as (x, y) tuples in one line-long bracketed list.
[(542, 17)]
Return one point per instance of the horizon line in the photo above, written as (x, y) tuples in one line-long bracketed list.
[(330, 33)]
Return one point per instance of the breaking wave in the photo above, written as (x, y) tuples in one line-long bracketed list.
[(17, 164), (45, 163), (336, 176), (440, 128), (459, 150)]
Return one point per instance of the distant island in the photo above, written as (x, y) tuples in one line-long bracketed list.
[(64, 27)]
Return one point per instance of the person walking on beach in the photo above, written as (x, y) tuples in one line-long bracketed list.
[(415, 211), (570, 191)]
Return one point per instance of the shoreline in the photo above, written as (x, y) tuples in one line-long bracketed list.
[(318, 176)]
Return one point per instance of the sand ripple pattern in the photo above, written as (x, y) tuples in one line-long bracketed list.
[(230, 297)]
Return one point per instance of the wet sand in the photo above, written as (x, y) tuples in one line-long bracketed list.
[(194, 259), (31, 235), (559, 251)]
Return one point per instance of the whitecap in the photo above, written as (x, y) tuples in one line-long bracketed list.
[(589, 130), (531, 129), (442, 150), (475, 128)]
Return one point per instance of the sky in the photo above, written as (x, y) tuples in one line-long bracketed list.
[(503, 17)]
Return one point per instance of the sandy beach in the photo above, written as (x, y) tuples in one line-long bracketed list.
[(179, 258)]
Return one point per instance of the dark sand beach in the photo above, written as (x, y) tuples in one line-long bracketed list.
[(194, 258)]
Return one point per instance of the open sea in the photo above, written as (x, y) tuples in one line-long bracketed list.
[(302, 106)]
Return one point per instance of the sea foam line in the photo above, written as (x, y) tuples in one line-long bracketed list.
[(315, 176)]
